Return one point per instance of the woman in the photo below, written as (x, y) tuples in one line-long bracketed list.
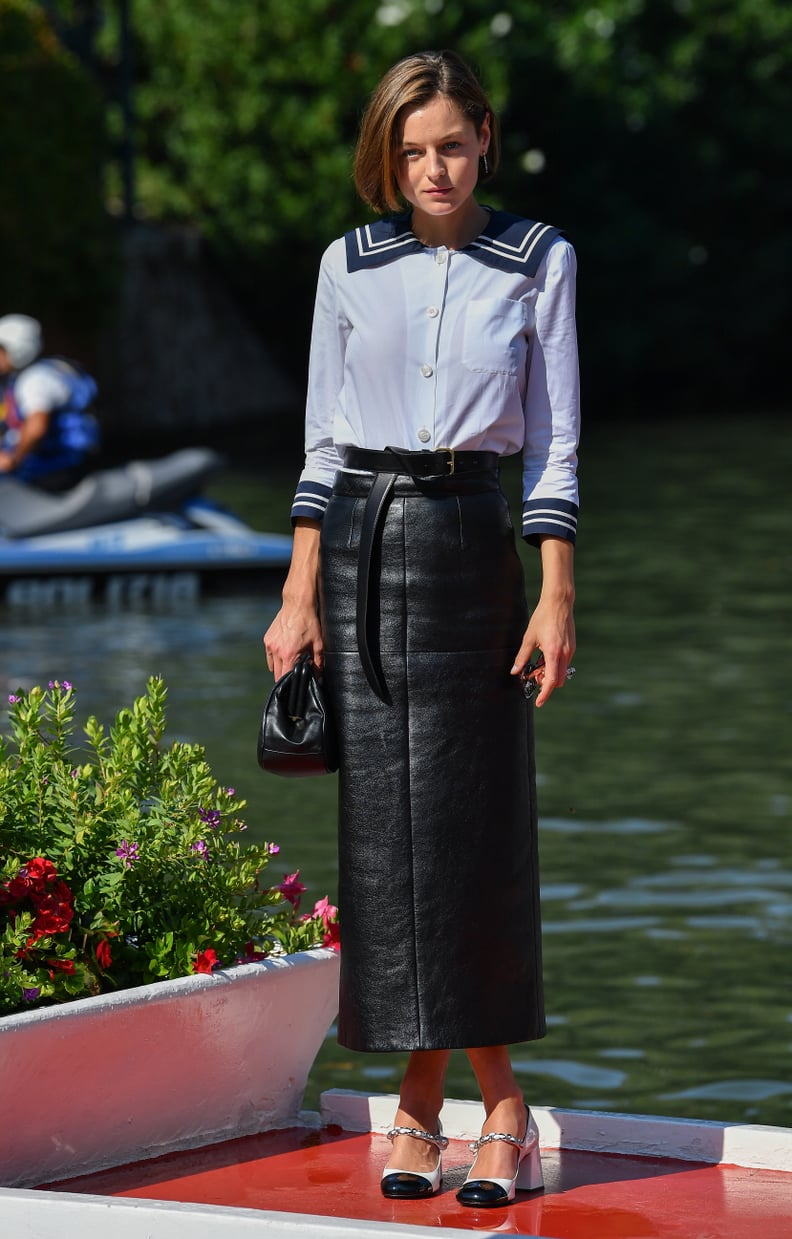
[(443, 339)]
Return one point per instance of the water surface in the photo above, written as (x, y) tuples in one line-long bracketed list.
[(665, 774)]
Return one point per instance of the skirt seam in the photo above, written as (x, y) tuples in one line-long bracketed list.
[(408, 741)]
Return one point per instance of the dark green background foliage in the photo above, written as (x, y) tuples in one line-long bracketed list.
[(58, 245), (663, 130)]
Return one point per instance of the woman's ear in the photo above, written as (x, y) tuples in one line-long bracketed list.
[(485, 133)]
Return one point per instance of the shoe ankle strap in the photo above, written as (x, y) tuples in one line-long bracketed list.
[(496, 1135), (439, 1140)]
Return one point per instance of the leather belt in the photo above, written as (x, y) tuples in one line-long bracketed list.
[(386, 467), (443, 462)]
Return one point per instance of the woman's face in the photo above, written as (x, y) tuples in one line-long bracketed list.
[(438, 157)]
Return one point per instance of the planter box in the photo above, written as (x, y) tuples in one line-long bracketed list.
[(109, 1080)]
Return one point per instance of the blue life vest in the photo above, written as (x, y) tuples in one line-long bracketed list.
[(72, 433)]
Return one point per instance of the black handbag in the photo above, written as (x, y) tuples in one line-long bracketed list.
[(296, 736)]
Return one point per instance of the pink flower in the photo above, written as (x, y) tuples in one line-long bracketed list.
[(327, 913), (205, 961), (128, 851), (291, 888)]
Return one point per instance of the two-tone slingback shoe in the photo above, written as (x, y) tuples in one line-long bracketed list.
[(489, 1193), (409, 1184)]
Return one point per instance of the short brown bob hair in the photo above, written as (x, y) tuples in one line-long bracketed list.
[(412, 83)]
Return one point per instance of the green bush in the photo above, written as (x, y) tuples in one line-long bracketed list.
[(127, 868)]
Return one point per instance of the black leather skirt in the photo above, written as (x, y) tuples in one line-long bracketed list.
[(439, 881)]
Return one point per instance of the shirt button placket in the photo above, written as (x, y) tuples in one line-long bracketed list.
[(428, 369)]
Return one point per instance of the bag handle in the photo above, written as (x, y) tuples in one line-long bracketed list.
[(298, 687)]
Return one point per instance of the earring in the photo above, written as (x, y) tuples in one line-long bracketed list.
[(485, 162)]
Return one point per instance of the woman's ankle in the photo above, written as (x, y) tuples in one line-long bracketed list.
[(422, 1113), (507, 1114)]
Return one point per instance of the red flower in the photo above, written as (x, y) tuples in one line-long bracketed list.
[(291, 888), (205, 961), (61, 891), (53, 916), (50, 898), (251, 952), (18, 888), (332, 936), (57, 900), (60, 965), (103, 956), (40, 870)]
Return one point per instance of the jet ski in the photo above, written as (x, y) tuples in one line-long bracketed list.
[(138, 532)]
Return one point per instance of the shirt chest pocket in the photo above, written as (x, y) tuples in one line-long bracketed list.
[(495, 335)]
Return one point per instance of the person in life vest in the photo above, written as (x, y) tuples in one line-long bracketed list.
[(48, 437)]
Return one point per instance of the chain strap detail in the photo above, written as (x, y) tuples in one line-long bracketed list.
[(493, 1136), (439, 1140)]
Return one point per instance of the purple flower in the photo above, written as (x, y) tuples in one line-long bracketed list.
[(128, 852), (273, 849), (30, 995), (201, 848), (230, 791), (66, 685), (13, 699), (209, 817)]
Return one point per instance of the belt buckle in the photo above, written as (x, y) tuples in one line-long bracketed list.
[(451, 464)]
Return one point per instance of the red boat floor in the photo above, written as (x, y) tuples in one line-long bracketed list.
[(336, 1173)]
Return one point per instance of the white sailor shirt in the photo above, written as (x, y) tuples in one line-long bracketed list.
[(475, 349)]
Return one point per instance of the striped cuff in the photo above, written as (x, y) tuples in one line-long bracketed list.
[(311, 500), (554, 517)]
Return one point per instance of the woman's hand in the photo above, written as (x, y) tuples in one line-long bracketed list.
[(294, 630), (296, 627), (552, 625)]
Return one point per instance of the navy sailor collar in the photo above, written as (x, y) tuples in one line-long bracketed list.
[(509, 243)]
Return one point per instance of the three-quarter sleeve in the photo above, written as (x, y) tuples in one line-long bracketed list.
[(552, 405), (325, 385)]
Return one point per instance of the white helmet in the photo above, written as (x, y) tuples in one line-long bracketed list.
[(20, 336)]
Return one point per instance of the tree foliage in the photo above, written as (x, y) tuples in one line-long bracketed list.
[(654, 133), (57, 242)]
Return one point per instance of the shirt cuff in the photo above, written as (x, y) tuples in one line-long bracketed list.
[(311, 499), (556, 518)]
